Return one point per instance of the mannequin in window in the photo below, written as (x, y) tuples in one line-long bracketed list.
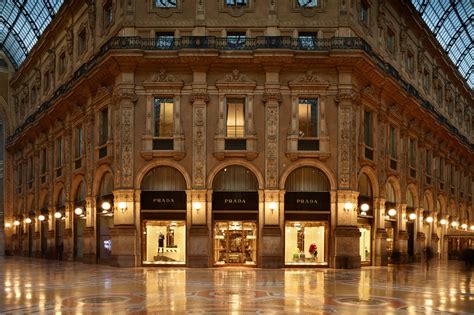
[(313, 250), (161, 241)]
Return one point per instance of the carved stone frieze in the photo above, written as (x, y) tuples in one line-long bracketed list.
[(344, 146), (199, 100), (309, 78), (347, 95), (272, 95), (271, 142), (127, 147)]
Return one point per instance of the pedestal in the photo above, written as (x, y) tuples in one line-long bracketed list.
[(124, 246), (271, 249), (346, 251), (90, 246), (380, 258), (198, 247)]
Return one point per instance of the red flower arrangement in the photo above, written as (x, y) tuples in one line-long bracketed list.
[(313, 248)]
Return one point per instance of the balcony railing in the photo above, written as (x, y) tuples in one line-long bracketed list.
[(249, 44)]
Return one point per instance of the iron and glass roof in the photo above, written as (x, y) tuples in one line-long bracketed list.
[(21, 24), (452, 23)]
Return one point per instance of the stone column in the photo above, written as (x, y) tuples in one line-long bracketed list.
[(420, 235), (380, 246), (401, 243), (90, 247), (199, 239), (124, 233), (346, 233)]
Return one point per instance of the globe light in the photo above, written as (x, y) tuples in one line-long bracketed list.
[(412, 216), (392, 212), (78, 211), (348, 206), (106, 205), (58, 215), (364, 207), (41, 217), (454, 224), (443, 221), (16, 222), (8, 225), (429, 219), (472, 227), (122, 205), (28, 220), (464, 226)]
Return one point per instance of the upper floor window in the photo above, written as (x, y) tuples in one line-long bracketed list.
[(364, 12), (307, 39), (308, 117), (412, 153), (307, 3), (426, 80), (46, 80), (164, 40), (165, 3), (442, 166), (368, 129), (30, 169), (393, 143), (235, 121), (428, 162), (62, 62), (163, 113), (81, 41), (20, 174), (104, 126), (108, 14), (391, 40), (236, 39), (79, 142), (236, 3), (59, 151), (410, 62)]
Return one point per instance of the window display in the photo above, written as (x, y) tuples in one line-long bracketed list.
[(235, 242), (389, 241), (165, 242), (305, 243), (364, 244)]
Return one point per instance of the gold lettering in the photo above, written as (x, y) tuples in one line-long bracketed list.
[(306, 201)]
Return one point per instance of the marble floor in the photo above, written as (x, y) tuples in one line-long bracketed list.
[(39, 286)]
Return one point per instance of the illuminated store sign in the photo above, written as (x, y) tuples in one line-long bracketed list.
[(163, 200), (316, 201), (230, 200)]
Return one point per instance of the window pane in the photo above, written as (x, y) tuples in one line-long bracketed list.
[(59, 152), (79, 142), (236, 3), (165, 40), (305, 243), (307, 3), (368, 128), (163, 117), (236, 39), (308, 117), (165, 3), (104, 127), (393, 143), (235, 117)]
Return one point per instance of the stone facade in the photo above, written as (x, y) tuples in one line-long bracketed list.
[(111, 83)]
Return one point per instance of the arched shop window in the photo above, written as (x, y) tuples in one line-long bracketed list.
[(390, 216), (163, 216), (105, 218), (365, 218), (235, 178), (307, 216)]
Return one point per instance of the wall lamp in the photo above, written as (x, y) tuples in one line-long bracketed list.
[(454, 224), (8, 225), (122, 206), (16, 222), (197, 205), (348, 206), (392, 212), (464, 226), (443, 221), (272, 206), (27, 220), (412, 216), (429, 219), (472, 227), (58, 215), (363, 209), (41, 217)]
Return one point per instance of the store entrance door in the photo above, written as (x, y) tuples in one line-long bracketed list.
[(235, 243)]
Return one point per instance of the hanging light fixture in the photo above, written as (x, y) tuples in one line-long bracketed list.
[(41, 217), (412, 216), (58, 215), (392, 212), (27, 220), (78, 211), (443, 222), (429, 219), (106, 205)]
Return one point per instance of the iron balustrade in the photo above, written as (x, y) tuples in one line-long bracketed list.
[(250, 44)]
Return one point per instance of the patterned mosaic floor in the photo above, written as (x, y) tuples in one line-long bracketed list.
[(32, 285)]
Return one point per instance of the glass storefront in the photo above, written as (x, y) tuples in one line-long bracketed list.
[(390, 240), (104, 226), (235, 242), (165, 242), (305, 242), (365, 243)]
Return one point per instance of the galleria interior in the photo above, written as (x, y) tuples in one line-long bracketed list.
[(235, 132)]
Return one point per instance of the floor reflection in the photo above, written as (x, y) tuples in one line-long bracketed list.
[(31, 285)]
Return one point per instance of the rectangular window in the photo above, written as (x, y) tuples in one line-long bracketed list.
[(410, 62), (426, 80), (364, 13), (307, 40), (108, 14), (165, 3), (62, 62), (307, 3), (442, 166), (236, 40), (368, 129), (393, 143), (164, 40), (236, 117), (104, 126), (390, 40), (308, 117), (236, 3), (165, 242), (163, 113), (305, 242), (30, 169), (412, 153), (79, 142), (81, 46), (44, 162), (20, 174), (59, 152), (428, 162)]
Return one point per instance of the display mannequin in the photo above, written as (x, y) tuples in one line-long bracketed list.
[(161, 241)]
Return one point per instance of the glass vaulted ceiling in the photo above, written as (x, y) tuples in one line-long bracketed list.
[(21, 24), (452, 23)]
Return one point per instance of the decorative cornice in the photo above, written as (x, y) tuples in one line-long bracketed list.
[(309, 79)]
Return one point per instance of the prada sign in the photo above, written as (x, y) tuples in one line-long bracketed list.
[(227, 200), (316, 201), (163, 200)]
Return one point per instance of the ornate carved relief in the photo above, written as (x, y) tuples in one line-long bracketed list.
[(309, 78), (199, 100), (272, 98), (127, 147), (344, 145)]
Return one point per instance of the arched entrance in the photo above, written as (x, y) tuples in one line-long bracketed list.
[(235, 216), (105, 219), (79, 221), (365, 218), (307, 217), (163, 207)]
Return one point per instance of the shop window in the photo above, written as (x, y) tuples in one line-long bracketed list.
[(236, 3), (365, 243), (235, 118), (391, 40), (235, 242), (81, 41), (307, 3), (163, 4), (305, 242), (165, 242), (164, 40), (410, 62), (108, 14), (368, 135), (364, 12), (236, 40), (307, 40)]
